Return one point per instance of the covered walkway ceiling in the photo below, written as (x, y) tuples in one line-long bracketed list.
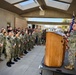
[(25, 6)]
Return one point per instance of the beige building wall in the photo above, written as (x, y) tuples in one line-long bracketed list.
[(12, 18), (6, 17), (20, 22)]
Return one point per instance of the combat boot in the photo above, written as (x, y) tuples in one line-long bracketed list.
[(29, 49), (25, 52), (11, 62), (15, 60), (18, 58), (69, 67), (8, 64)]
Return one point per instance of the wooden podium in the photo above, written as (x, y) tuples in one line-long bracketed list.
[(54, 51)]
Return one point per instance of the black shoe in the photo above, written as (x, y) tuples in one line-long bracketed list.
[(12, 62), (29, 49), (8, 64), (15, 60), (18, 58), (25, 52)]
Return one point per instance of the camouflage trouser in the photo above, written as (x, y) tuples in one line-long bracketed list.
[(16, 52), (43, 41), (33, 41), (21, 49), (71, 56), (8, 53), (4, 51), (39, 41), (25, 46), (1, 49), (12, 53), (29, 45)]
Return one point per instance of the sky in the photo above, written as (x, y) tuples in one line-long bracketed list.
[(26, 2)]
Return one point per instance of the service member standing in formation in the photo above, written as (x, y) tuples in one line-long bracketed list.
[(72, 48), (1, 45), (15, 44), (9, 48), (17, 48)]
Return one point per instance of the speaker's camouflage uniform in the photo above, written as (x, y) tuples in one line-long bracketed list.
[(1, 43), (72, 48)]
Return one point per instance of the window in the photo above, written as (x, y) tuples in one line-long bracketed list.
[(26, 5), (69, 1), (13, 1), (56, 4)]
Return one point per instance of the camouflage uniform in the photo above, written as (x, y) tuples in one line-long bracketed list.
[(33, 37), (72, 48), (1, 43), (8, 48), (36, 40), (26, 42), (13, 46), (29, 42), (39, 38), (43, 36), (4, 45), (20, 49), (22, 44), (17, 48), (32, 41)]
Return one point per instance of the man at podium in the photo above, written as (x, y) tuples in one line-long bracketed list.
[(72, 48)]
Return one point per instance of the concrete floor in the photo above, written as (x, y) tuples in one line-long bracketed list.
[(28, 65)]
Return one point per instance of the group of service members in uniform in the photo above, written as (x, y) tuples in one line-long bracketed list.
[(14, 44)]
